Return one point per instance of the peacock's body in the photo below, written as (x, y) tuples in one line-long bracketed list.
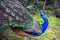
[(14, 15)]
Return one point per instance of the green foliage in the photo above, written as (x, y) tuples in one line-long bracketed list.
[(52, 31), (40, 4), (51, 1)]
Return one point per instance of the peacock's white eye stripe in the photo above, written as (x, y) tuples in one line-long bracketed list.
[(7, 9)]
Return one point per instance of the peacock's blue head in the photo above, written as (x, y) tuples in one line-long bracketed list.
[(42, 13), (45, 24)]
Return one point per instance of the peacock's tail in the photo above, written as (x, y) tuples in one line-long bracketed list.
[(13, 14)]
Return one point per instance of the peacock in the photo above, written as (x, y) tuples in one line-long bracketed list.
[(14, 15)]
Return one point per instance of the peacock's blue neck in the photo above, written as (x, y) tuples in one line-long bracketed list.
[(45, 24)]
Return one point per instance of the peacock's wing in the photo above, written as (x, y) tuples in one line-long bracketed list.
[(13, 14)]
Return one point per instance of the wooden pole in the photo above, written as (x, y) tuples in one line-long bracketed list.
[(44, 4)]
